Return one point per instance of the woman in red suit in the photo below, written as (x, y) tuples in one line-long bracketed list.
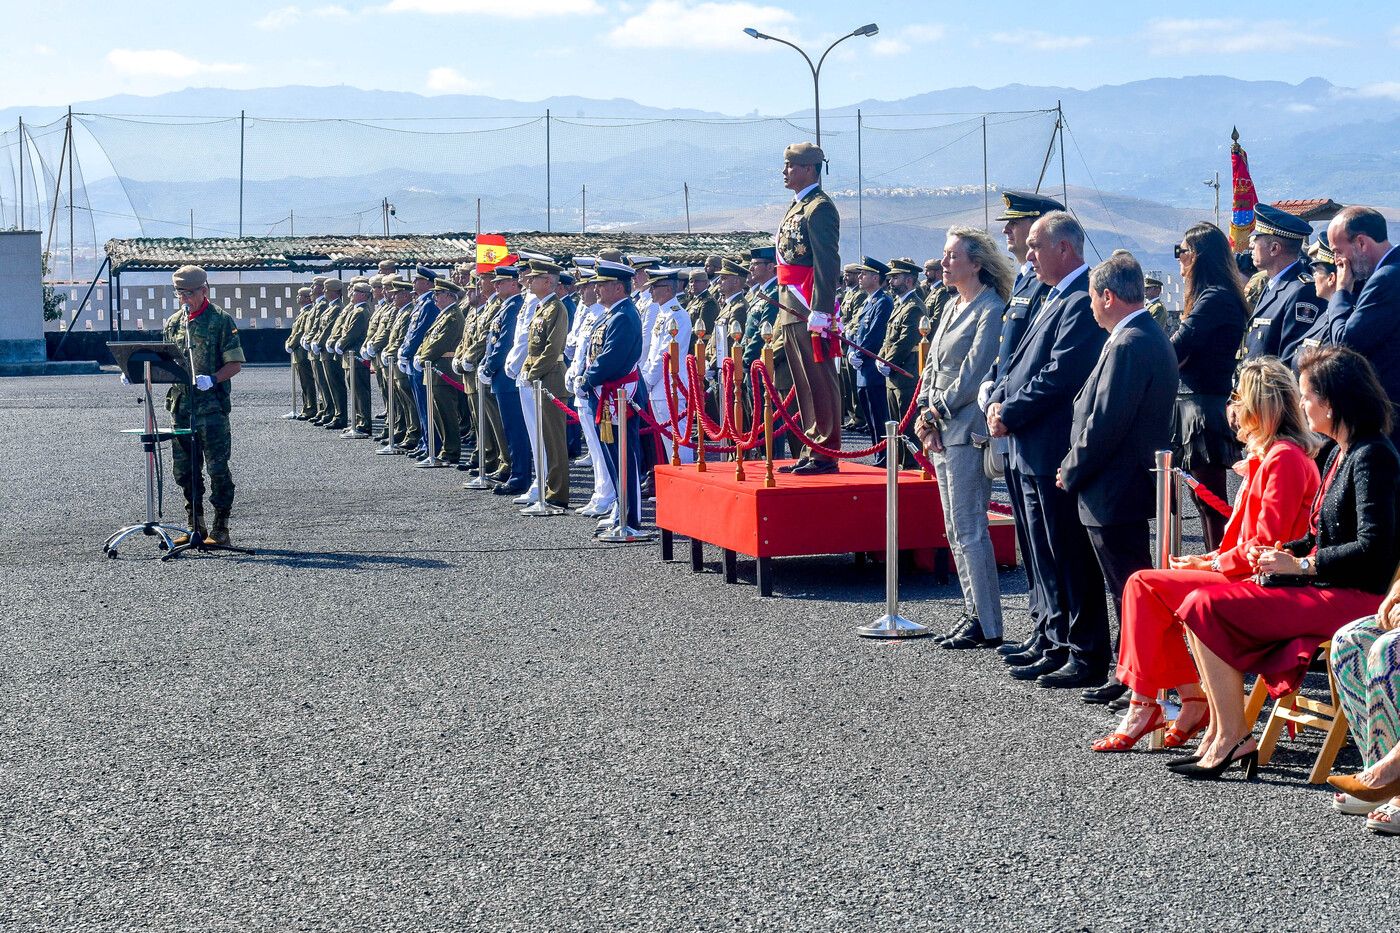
[(1335, 573), (1280, 482)]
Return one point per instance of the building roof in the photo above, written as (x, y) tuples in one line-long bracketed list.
[(1310, 209), (316, 253)]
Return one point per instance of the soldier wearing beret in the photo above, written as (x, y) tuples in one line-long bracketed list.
[(379, 320), (332, 378), (703, 306), (808, 267), (732, 311), (209, 337), (349, 339), (301, 363), (1288, 304)]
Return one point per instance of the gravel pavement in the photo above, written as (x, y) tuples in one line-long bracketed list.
[(416, 710)]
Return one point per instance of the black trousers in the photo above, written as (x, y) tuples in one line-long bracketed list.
[(1016, 494), (1066, 572), (1122, 550)]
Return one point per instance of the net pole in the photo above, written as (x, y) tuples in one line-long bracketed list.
[(585, 210), (548, 177), (986, 180), (242, 127), (72, 247), (1064, 180), (860, 188), (686, 186), (21, 173)]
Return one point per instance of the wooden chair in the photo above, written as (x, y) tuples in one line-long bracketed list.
[(1305, 712)]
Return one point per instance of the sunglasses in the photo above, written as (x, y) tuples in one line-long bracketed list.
[(1178, 251)]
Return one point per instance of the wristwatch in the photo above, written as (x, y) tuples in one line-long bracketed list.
[(1215, 564), (1305, 564)]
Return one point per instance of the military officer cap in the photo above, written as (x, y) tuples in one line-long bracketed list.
[(851, 267), (638, 261), (567, 278), (1149, 281), (541, 266), (660, 276), (386, 267), (1270, 221), (764, 254), (804, 153), (1023, 204), (585, 262), (190, 277), (505, 273), (609, 271), (584, 276), (871, 264), (303, 292), (358, 278), (423, 272), (732, 267), (361, 288), (335, 285), (399, 285), (444, 284), (319, 279), (1321, 252), (611, 254), (906, 265)]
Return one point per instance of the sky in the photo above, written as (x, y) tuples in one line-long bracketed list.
[(673, 54)]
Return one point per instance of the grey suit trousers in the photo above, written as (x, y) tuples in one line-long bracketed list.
[(964, 490)]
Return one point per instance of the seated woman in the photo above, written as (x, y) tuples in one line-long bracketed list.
[(1312, 586), (1366, 664), (1280, 482)]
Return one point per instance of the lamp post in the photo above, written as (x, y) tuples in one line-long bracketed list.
[(869, 29)]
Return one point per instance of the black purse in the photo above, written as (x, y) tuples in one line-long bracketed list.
[(1285, 579)]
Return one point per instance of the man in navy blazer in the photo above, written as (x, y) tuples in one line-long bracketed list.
[(1033, 404), (869, 333), (1366, 317), (1122, 417), (613, 351), (493, 373)]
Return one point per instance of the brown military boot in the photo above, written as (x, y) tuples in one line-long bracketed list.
[(195, 522), (219, 533)]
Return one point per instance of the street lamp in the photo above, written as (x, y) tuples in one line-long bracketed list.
[(869, 29)]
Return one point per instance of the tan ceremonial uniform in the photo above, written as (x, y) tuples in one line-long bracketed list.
[(436, 349), (544, 360)]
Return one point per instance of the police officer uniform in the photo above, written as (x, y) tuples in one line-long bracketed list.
[(1288, 305)]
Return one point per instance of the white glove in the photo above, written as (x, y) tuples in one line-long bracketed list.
[(405, 368), (384, 358), (305, 344), (125, 380), (482, 378), (203, 383), (417, 366), (368, 350), (456, 365), (467, 367), (338, 351), (315, 347), (818, 320), (855, 360), (883, 368)]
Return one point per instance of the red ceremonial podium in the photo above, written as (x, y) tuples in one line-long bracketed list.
[(837, 513)]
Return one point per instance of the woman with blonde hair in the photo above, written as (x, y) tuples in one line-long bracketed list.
[(1280, 480), (961, 353)]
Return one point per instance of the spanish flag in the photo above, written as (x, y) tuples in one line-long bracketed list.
[(491, 252), (1243, 197)]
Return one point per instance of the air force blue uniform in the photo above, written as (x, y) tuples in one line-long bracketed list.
[(493, 367), (614, 349)]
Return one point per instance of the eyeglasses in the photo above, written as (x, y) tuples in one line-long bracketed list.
[(188, 291), (1178, 251)]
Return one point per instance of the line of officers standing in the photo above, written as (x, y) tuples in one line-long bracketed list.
[(569, 328)]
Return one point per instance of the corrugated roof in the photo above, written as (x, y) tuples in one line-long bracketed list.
[(1310, 208), (311, 253)]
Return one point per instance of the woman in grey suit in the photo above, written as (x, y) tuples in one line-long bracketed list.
[(961, 354)]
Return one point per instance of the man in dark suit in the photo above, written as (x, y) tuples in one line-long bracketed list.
[(1122, 417), (1366, 317), (1022, 210), (1033, 404)]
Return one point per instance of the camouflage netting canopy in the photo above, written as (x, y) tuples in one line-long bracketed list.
[(317, 253)]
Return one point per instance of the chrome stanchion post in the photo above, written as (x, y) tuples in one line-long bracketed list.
[(391, 420), (892, 624), (479, 481), (623, 534), (292, 415), (1167, 528), (431, 461), (539, 506)]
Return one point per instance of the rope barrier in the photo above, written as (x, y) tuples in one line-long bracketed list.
[(1204, 494)]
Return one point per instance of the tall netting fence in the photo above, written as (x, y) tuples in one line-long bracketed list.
[(900, 179)]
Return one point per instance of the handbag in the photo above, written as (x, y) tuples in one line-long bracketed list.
[(992, 463), (1285, 579)]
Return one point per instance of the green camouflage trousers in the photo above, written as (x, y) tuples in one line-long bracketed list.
[(210, 454)]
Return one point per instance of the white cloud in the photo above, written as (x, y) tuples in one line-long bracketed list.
[(280, 18), (924, 33), (451, 81), (42, 49), (166, 63), (670, 24), (903, 39), (1232, 36), (1038, 41), (1388, 89), (889, 48), (519, 9), (332, 11)]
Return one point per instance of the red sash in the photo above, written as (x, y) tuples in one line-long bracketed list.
[(607, 395)]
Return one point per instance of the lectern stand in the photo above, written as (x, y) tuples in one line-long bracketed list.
[(147, 364)]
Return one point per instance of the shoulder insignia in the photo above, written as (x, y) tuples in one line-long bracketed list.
[(1305, 312), (1305, 277)]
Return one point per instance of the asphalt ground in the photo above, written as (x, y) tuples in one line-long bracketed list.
[(416, 710)]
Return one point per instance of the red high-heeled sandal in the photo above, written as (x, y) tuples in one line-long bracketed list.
[(1122, 741), (1177, 737)]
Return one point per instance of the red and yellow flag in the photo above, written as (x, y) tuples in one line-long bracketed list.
[(1243, 198), (491, 252)]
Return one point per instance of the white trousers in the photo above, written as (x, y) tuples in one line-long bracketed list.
[(527, 407), (604, 493), (661, 410)]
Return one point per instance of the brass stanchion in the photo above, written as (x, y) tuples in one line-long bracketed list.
[(673, 371), (925, 327), (699, 393), (768, 480), (892, 624), (539, 506), (736, 353), (479, 480), (622, 533)]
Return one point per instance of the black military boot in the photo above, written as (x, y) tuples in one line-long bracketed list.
[(219, 533)]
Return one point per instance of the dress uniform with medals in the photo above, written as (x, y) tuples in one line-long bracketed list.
[(704, 308), (808, 268), (349, 341), (901, 346), (613, 352), (1288, 306), (587, 320), (210, 336), (439, 341), (493, 372), (869, 334), (544, 361), (852, 299), (655, 368), (328, 376), (732, 310), (425, 311)]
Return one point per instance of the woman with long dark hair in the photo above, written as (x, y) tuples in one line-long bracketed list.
[(1213, 320)]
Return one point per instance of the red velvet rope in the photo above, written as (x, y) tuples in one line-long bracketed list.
[(841, 454), (1204, 494)]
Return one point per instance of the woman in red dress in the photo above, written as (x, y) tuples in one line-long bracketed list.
[(1335, 573), (1280, 481)]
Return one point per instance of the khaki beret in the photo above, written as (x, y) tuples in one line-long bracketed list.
[(386, 267), (319, 279), (335, 285), (361, 288), (303, 292), (190, 277), (804, 153), (610, 254)]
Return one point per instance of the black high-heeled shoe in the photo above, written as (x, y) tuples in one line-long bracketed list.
[(1177, 764), (1249, 761)]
